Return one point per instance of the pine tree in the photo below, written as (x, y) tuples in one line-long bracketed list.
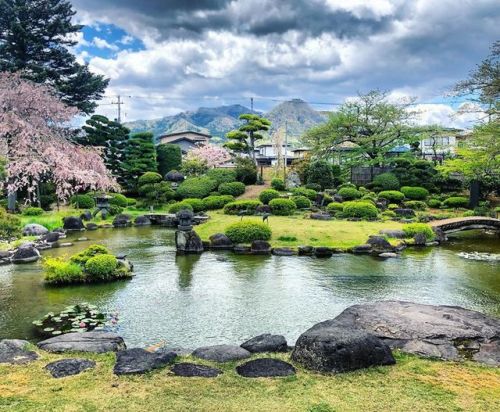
[(169, 158), (243, 139), (140, 157), (34, 39)]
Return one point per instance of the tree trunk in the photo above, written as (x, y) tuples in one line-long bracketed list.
[(475, 191), (11, 202)]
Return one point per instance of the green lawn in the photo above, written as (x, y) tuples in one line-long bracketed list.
[(412, 385), (332, 233)]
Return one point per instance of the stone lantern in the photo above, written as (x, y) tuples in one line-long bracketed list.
[(186, 239), (185, 218), (102, 204)]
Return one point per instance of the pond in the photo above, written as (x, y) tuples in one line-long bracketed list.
[(220, 297)]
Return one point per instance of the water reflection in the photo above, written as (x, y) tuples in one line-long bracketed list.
[(185, 265)]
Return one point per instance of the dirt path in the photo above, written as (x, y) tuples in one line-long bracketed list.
[(253, 191)]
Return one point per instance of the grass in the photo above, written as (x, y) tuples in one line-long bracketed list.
[(412, 385), (333, 233)]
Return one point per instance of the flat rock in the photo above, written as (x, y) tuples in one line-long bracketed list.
[(260, 247), (220, 241), (265, 368), (69, 367), (396, 234), (96, 342), (221, 353), (139, 361), (445, 332), (306, 250), (13, 351), (321, 216), (92, 226), (323, 252), (34, 229), (362, 249), (387, 255), (266, 343), (283, 251), (51, 237), (193, 370), (179, 351), (142, 221)]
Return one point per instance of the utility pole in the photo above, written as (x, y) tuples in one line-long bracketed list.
[(251, 103), (285, 153), (119, 103)]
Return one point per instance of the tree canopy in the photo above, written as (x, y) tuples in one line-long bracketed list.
[(140, 157), (243, 139)]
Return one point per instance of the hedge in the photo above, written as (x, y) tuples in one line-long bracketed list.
[(434, 203), (222, 175), (303, 191), (233, 208), (32, 211), (216, 202), (118, 199), (247, 232), (363, 210), (416, 205), (83, 201), (456, 201), (386, 181), (392, 195), (198, 187), (196, 204), (176, 207), (335, 207), (301, 202), (278, 184), (282, 207), (267, 195), (415, 192), (411, 229), (349, 193), (232, 188)]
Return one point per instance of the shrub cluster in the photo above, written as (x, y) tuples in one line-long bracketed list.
[(32, 211), (93, 250), (233, 208), (216, 202), (198, 187), (415, 192), (456, 201), (247, 232), (334, 207), (386, 181), (301, 202), (278, 184), (267, 195), (282, 207), (363, 210), (82, 201), (196, 204), (118, 199), (101, 267), (416, 205), (392, 195), (349, 193), (232, 188), (411, 229), (222, 175), (59, 271), (246, 171), (304, 191), (434, 203), (176, 207)]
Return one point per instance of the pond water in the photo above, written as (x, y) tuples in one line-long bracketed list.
[(219, 297)]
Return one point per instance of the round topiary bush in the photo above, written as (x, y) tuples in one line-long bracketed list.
[(388, 214), (456, 201), (363, 210), (392, 195), (334, 207), (304, 191), (149, 178), (118, 199), (101, 266), (278, 184), (248, 206), (416, 205), (32, 211), (83, 201), (196, 204), (349, 193), (301, 202), (176, 207), (216, 202), (198, 187), (434, 203), (222, 175), (232, 188), (267, 195), (282, 207), (411, 229), (415, 192), (247, 232), (386, 181)]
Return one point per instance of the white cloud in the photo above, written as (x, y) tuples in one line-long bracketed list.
[(104, 44)]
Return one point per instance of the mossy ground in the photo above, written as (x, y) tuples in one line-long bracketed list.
[(413, 384)]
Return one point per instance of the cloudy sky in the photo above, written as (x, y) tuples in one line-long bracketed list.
[(166, 56)]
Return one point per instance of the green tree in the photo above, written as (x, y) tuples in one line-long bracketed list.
[(112, 137), (243, 139), (169, 158), (140, 157), (34, 39)]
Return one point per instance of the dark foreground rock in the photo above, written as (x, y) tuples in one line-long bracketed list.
[(445, 332), (379, 244), (139, 361), (266, 343), (69, 367), (265, 368), (191, 370), (329, 348), (142, 221), (221, 353), (73, 223), (283, 251), (34, 229), (260, 247), (122, 220), (25, 254), (97, 342), (220, 241), (188, 242), (14, 351)]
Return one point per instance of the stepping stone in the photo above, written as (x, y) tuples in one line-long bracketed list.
[(193, 370), (221, 353), (139, 361), (68, 367), (266, 343), (13, 351), (96, 342), (265, 368)]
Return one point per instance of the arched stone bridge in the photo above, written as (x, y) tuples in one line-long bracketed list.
[(447, 226)]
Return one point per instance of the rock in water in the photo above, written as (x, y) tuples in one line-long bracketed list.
[(139, 361), (220, 241), (25, 254), (260, 247), (13, 351), (265, 368), (73, 223), (329, 348), (379, 244), (445, 332), (97, 342), (34, 229), (69, 367), (122, 220), (188, 242), (221, 353), (266, 343), (142, 221), (193, 370)]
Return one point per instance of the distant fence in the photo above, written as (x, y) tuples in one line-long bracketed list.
[(362, 175)]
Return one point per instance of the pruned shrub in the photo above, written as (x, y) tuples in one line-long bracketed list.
[(149, 178), (282, 207), (301, 202), (176, 207), (416, 205), (222, 175), (118, 199), (246, 171), (434, 203), (388, 214), (363, 210), (320, 173), (411, 229), (456, 201), (392, 195), (267, 195), (247, 232), (278, 184), (32, 211), (101, 267), (196, 204), (232, 188), (349, 193), (334, 207), (304, 191), (386, 181), (216, 202), (415, 192), (198, 187), (93, 250), (82, 201), (249, 206)]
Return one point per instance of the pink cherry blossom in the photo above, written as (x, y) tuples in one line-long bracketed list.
[(210, 154)]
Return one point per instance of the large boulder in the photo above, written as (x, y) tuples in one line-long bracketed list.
[(188, 242), (329, 348), (379, 244), (139, 361), (220, 241), (92, 226), (221, 353), (446, 332), (34, 229), (14, 351), (51, 237), (260, 247), (142, 221), (96, 342), (394, 233), (174, 176), (73, 223), (265, 368), (122, 220), (266, 343), (26, 253), (69, 367), (191, 370), (323, 252), (87, 215)]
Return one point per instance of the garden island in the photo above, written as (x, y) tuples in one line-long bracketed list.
[(236, 258)]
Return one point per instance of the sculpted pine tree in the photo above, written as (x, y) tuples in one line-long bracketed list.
[(243, 139), (37, 145), (34, 39), (140, 157)]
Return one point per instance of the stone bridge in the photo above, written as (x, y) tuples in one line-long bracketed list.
[(447, 226)]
